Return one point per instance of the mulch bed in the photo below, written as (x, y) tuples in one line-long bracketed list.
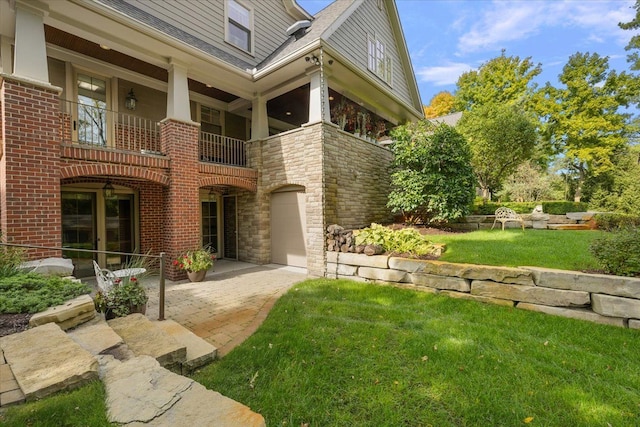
[(13, 323)]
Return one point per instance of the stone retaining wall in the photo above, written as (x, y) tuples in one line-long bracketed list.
[(571, 220), (611, 300)]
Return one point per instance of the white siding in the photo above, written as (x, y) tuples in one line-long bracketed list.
[(351, 40), (205, 21)]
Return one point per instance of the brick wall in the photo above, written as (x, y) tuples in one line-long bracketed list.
[(179, 141), (30, 167)]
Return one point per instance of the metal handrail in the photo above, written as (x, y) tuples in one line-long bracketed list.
[(162, 257)]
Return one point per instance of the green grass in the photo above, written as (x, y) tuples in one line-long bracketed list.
[(342, 353), (562, 249), (82, 407)]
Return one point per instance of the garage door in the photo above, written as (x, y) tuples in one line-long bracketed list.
[(288, 229)]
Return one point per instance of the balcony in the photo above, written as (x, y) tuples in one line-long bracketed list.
[(90, 125)]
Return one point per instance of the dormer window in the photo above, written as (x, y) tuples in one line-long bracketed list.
[(379, 60), (239, 25)]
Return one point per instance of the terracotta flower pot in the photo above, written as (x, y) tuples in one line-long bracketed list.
[(196, 276)]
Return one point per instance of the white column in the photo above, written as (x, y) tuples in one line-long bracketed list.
[(5, 55), (319, 108), (30, 53), (178, 106), (259, 118)]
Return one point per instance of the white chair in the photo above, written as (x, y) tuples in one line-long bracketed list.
[(104, 277)]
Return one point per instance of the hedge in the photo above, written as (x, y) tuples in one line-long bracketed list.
[(552, 208)]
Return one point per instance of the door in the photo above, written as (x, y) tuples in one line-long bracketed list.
[(119, 229), (79, 230), (209, 216), (288, 228), (230, 226), (91, 125)]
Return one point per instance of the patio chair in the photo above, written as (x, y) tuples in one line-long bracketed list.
[(104, 277), (505, 215)]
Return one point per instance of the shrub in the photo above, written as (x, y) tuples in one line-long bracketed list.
[(10, 259), (490, 208), (562, 207), (406, 240), (32, 292), (614, 221), (619, 252)]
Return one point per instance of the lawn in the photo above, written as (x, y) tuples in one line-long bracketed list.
[(562, 249), (338, 353)]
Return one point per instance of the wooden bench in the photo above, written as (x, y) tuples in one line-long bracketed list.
[(505, 215)]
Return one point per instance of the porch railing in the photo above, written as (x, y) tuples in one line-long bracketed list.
[(222, 150), (89, 123)]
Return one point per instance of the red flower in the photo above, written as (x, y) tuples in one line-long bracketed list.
[(133, 279)]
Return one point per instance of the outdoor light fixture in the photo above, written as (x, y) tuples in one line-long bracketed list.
[(212, 195), (313, 59), (108, 190), (131, 100)]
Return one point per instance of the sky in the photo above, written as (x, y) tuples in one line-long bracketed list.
[(446, 38)]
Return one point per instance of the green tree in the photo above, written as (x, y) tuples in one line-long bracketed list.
[(583, 121), (441, 104), (501, 80), (432, 179), (634, 44), (623, 192), (501, 137)]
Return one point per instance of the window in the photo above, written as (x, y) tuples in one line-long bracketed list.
[(210, 120), (239, 25), (379, 60)]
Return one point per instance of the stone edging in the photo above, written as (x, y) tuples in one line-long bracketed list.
[(612, 300)]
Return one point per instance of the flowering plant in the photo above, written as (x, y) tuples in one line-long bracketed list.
[(195, 260), (126, 296)]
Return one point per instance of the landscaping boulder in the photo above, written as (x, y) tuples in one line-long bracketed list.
[(62, 267)]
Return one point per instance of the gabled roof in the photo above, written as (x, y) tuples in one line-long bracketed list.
[(322, 22)]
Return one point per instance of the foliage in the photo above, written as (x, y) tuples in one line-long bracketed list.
[(33, 292), (441, 104), (614, 221), (622, 194), (619, 251), (432, 179), (504, 80), (583, 120), (562, 207), (561, 249), (501, 137), (85, 406), (483, 207), (529, 183), (122, 298), (358, 354), (634, 44), (405, 240), (195, 260), (10, 259)]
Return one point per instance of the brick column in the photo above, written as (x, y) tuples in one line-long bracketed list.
[(179, 141), (30, 166)]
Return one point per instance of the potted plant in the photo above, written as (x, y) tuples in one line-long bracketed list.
[(195, 262), (126, 297)]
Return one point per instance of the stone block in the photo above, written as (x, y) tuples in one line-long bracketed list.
[(615, 306), (49, 266), (332, 257), (375, 261), (347, 270), (406, 264), (199, 352), (44, 360), (532, 294), (95, 336), (67, 315), (539, 225), (573, 313), (474, 218), (578, 281), (145, 338), (580, 216), (634, 324), (479, 272), (382, 274), (560, 219), (488, 300), (440, 282), (464, 226)]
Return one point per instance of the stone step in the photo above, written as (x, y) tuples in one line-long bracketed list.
[(143, 337), (45, 360), (199, 352), (569, 227), (141, 392)]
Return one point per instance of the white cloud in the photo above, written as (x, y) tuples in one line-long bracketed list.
[(500, 22), (444, 74)]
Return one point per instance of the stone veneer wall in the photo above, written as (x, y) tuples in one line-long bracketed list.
[(611, 300), (346, 181)]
